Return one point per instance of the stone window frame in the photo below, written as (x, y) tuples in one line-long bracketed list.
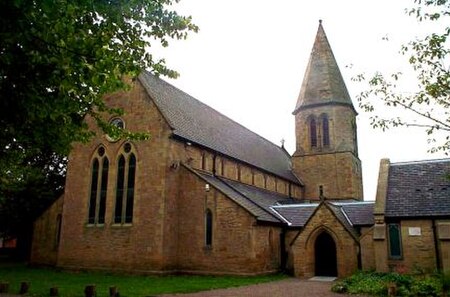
[(98, 187), (127, 168), (391, 246)]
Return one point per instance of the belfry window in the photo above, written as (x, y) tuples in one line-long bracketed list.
[(325, 131), (126, 175), (208, 228), (313, 132), (99, 185), (395, 241)]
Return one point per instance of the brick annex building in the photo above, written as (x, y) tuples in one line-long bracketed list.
[(206, 195)]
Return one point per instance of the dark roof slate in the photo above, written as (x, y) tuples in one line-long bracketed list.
[(359, 214), (297, 215), (257, 209), (418, 189), (196, 122)]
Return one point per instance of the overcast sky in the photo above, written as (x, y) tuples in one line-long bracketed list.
[(249, 57)]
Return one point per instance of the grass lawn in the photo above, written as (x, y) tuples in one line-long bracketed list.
[(73, 283)]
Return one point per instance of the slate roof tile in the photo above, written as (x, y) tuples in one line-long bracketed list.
[(196, 122), (418, 189), (251, 203), (359, 213), (297, 215)]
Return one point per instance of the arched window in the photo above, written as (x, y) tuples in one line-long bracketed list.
[(208, 228), (126, 175), (325, 131), (313, 132), (99, 185)]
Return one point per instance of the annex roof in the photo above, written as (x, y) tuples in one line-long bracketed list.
[(198, 123), (323, 82), (418, 189), (351, 214)]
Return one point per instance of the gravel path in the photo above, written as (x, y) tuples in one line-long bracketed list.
[(291, 287)]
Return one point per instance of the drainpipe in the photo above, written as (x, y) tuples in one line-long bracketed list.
[(436, 247)]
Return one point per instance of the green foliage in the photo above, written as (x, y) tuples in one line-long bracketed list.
[(73, 283), (429, 57), (58, 58), (376, 284)]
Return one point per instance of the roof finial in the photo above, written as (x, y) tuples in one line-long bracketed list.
[(320, 22)]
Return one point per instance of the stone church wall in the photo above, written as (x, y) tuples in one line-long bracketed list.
[(136, 246), (239, 245), (46, 235), (367, 249)]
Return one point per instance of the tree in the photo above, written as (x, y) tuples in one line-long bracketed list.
[(57, 60), (429, 58)]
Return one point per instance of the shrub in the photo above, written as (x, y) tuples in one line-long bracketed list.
[(375, 284)]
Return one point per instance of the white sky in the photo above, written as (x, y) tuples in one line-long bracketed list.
[(249, 58)]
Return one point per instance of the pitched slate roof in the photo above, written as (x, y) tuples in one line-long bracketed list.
[(418, 189), (198, 123), (296, 215), (359, 213), (322, 82), (351, 214), (261, 212)]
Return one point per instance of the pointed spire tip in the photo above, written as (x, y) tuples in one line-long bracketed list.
[(320, 22)]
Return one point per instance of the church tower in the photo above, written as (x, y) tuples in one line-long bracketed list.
[(326, 156)]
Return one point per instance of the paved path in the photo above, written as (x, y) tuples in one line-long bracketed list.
[(291, 287)]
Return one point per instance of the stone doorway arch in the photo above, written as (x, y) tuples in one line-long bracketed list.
[(325, 255)]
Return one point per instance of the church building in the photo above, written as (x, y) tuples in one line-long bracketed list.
[(206, 195)]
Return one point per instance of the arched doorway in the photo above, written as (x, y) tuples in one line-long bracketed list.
[(325, 255)]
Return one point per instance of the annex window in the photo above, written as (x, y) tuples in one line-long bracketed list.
[(395, 241), (126, 175), (99, 185), (313, 132), (325, 131), (208, 228)]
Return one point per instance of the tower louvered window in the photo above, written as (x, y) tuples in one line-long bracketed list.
[(99, 186), (313, 132), (126, 175), (325, 131)]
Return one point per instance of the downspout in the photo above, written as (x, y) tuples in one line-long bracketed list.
[(436, 247), (214, 165)]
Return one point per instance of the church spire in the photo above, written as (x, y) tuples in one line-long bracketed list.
[(323, 82)]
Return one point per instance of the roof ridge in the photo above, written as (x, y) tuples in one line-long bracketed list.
[(440, 160)]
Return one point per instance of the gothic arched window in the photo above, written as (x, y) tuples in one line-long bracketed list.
[(99, 185), (325, 131), (126, 175), (313, 132), (208, 227)]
